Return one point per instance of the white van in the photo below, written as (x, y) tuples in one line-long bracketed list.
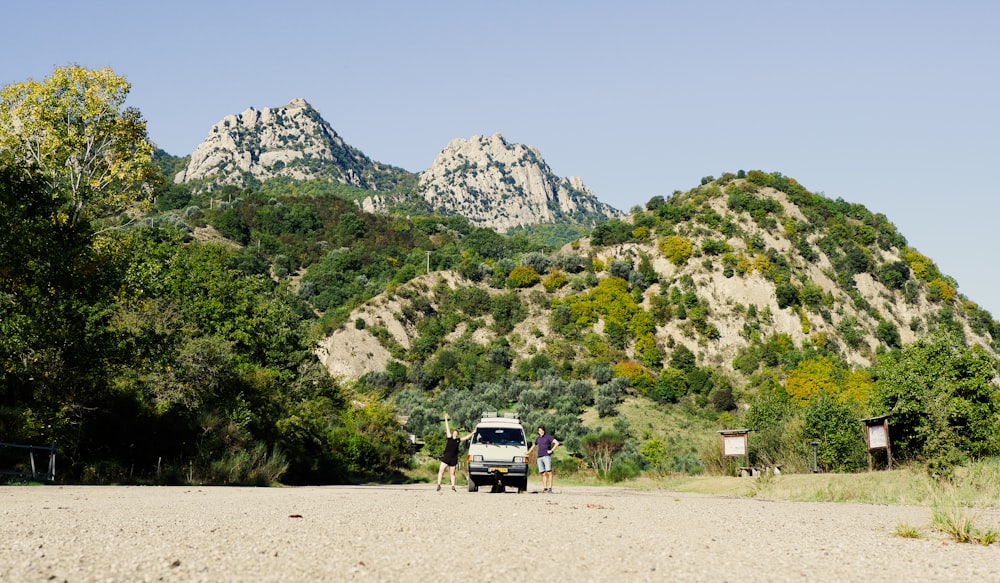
[(498, 454)]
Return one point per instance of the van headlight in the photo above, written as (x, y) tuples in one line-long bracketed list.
[(520, 459), (475, 458)]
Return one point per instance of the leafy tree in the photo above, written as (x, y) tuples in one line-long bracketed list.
[(940, 290), (93, 154), (683, 359), (825, 375), (894, 275), (57, 300), (670, 385), (507, 311), (600, 450), (888, 333), (835, 424), (787, 295), (939, 395), (676, 248), (611, 232), (850, 330)]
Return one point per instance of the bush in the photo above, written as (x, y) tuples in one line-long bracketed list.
[(834, 424), (677, 249), (521, 277), (600, 450), (623, 470), (554, 281), (254, 467), (787, 295)]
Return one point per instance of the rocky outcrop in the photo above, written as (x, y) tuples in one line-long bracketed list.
[(293, 141), (500, 185), (492, 183)]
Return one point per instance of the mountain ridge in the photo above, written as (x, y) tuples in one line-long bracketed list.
[(489, 181)]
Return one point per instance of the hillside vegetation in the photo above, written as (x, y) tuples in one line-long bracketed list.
[(245, 334)]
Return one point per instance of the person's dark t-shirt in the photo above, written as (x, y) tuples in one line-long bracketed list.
[(450, 455), (544, 443)]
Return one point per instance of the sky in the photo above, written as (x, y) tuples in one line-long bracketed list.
[(891, 104)]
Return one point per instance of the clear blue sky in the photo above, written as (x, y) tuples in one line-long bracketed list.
[(891, 104)]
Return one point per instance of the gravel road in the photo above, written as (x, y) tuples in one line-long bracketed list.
[(413, 533)]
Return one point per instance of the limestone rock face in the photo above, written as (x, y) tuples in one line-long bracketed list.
[(292, 141), (500, 185), (489, 181)]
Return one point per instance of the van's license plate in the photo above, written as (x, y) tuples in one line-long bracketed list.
[(501, 470)]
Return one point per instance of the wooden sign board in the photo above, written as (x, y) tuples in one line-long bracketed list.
[(734, 442), (878, 438), (734, 445)]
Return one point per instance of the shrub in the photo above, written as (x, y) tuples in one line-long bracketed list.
[(536, 261), (521, 277), (834, 424), (623, 470), (888, 333), (600, 450), (787, 295), (555, 280), (676, 248), (714, 247), (253, 467)]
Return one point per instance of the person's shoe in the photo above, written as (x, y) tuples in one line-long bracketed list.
[(453, 489), (439, 488)]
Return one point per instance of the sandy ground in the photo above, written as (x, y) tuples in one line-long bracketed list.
[(413, 533)]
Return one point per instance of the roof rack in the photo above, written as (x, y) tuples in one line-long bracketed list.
[(494, 414)]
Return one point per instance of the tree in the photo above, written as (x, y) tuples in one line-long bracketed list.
[(787, 295), (676, 248), (834, 423), (600, 450), (72, 126), (56, 299), (939, 395)]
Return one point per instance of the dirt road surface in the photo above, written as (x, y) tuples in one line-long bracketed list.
[(413, 533)]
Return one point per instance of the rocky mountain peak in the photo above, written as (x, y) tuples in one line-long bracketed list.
[(502, 185), (292, 141), (491, 182)]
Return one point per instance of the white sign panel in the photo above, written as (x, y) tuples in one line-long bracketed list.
[(877, 437), (734, 445)]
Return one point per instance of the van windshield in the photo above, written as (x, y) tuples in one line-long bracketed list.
[(499, 436)]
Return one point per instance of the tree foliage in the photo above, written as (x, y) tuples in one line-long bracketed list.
[(600, 450), (73, 126), (939, 395)]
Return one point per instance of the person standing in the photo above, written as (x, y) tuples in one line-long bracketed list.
[(546, 444), (449, 459)]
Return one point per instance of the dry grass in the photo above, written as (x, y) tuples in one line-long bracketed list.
[(966, 509)]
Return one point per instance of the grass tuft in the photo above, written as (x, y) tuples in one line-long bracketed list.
[(907, 531), (954, 518)]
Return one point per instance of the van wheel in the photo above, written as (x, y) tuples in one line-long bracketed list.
[(473, 486)]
